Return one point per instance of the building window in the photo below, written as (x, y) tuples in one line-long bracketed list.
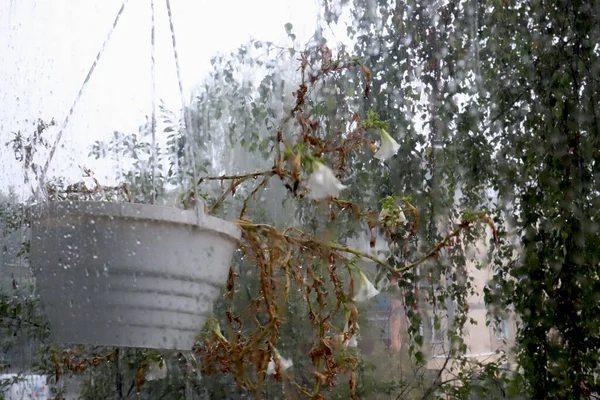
[(438, 334), (502, 329), (425, 279), (431, 330)]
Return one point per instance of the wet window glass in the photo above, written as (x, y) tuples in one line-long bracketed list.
[(326, 199)]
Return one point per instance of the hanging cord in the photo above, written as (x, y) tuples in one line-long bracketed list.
[(77, 98), (153, 122), (186, 120)]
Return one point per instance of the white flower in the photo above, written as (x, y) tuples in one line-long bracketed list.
[(283, 362), (156, 370), (366, 290), (352, 342), (322, 183), (388, 147), (401, 218), (385, 213)]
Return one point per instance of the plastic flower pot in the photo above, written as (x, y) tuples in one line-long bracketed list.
[(122, 274)]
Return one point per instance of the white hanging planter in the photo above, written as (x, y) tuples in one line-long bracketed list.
[(123, 274)]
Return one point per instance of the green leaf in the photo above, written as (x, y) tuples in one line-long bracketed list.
[(288, 28), (419, 357), (419, 340), (436, 323)]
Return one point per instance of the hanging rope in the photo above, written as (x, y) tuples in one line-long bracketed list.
[(186, 120), (153, 123), (81, 89)]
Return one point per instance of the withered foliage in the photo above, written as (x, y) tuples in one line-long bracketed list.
[(287, 259), (290, 261)]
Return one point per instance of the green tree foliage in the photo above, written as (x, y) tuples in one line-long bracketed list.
[(509, 107), (542, 71)]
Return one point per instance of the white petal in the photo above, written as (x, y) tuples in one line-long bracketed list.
[(352, 342), (283, 362), (384, 213), (388, 148), (322, 183), (155, 371), (319, 179), (401, 218), (366, 290), (271, 368)]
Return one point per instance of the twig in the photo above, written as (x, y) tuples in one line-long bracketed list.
[(233, 177), (237, 183), (311, 240), (437, 379), (252, 194), (302, 390), (437, 248), (396, 272)]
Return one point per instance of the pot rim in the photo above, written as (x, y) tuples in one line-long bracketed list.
[(137, 211)]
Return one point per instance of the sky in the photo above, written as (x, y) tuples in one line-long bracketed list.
[(48, 46)]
